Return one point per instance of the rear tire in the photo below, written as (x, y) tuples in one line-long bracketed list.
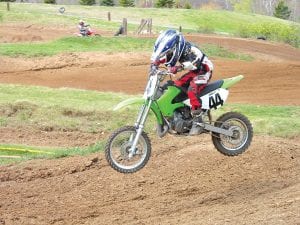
[(116, 150), (242, 134)]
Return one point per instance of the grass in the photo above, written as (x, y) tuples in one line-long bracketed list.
[(103, 44), (58, 109), (279, 121), (63, 109), (92, 111), (19, 153), (191, 20)]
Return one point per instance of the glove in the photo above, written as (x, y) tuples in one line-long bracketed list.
[(152, 70), (174, 69), (202, 79)]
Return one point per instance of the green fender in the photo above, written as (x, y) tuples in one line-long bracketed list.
[(228, 82), (140, 101)]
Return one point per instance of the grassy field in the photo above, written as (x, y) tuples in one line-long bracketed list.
[(103, 44), (44, 108), (191, 20)]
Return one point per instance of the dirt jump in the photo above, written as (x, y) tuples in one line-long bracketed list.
[(186, 180)]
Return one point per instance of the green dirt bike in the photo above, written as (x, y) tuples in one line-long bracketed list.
[(128, 149)]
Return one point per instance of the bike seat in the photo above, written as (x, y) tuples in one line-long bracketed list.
[(211, 87)]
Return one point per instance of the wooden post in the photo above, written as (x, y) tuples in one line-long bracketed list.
[(149, 30), (125, 26), (180, 29), (8, 7), (108, 16)]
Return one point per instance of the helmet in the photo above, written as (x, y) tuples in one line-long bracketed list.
[(81, 22), (169, 44)]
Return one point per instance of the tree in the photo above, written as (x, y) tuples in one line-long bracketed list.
[(50, 1), (87, 2), (107, 3), (165, 3), (282, 11), (126, 3)]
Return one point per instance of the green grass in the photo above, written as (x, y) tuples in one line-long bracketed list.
[(191, 20), (279, 121), (103, 44), (77, 44), (59, 109), (21, 153), (91, 111)]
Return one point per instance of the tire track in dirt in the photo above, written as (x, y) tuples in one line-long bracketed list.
[(179, 186)]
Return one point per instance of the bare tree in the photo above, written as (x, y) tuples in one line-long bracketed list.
[(268, 6)]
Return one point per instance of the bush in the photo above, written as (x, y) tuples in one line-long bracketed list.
[(87, 2), (282, 11), (187, 5), (126, 3), (165, 3), (50, 1), (107, 3), (273, 31)]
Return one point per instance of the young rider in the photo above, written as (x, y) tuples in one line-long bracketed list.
[(84, 29), (172, 49)]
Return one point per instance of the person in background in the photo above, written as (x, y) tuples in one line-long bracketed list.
[(84, 29)]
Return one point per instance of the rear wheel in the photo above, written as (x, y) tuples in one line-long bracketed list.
[(117, 150), (242, 134)]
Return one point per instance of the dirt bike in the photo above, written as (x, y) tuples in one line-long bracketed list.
[(128, 149), (87, 32)]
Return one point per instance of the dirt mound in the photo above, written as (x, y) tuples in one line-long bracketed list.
[(185, 182), (18, 32)]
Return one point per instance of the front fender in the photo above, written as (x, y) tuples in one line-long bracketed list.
[(127, 102), (132, 101)]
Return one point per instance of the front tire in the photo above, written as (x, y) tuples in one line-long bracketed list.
[(242, 134), (117, 150)]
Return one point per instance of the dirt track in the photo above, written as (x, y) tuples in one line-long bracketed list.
[(186, 180)]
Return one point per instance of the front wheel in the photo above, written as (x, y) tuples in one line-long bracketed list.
[(117, 150), (242, 134)]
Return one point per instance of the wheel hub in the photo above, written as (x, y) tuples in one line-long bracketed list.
[(237, 136)]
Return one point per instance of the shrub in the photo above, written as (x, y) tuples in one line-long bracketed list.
[(87, 2), (282, 11), (187, 5), (273, 31), (126, 3), (107, 3), (50, 1), (165, 3)]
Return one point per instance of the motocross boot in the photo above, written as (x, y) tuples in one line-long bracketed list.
[(197, 118)]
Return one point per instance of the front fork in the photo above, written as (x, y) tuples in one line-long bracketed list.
[(139, 126)]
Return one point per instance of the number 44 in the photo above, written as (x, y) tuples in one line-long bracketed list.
[(215, 101)]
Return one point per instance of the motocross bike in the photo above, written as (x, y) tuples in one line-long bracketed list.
[(128, 149), (86, 31)]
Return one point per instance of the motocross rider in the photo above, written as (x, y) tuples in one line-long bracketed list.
[(177, 54), (84, 29)]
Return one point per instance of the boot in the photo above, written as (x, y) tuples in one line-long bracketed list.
[(197, 118)]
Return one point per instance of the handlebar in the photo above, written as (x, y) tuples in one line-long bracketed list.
[(156, 70)]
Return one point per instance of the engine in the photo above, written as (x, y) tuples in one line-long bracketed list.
[(182, 121)]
